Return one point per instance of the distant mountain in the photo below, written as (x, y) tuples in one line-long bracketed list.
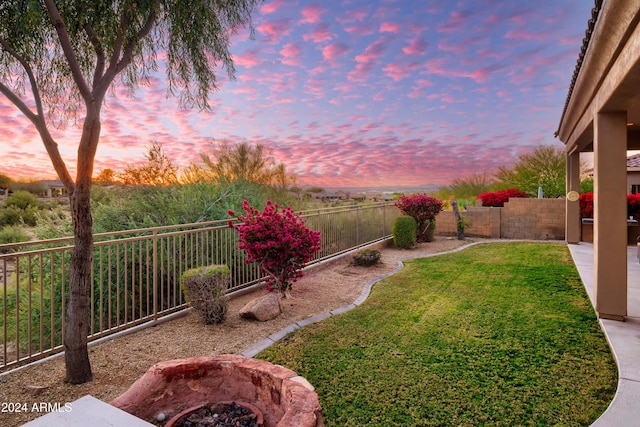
[(408, 189)]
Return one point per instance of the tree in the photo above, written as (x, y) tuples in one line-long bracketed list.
[(68, 54), (243, 162), (5, 182), (105, 177), (545, 167), (159, 170), (466, 188)]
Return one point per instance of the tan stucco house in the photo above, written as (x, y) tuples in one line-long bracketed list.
[(602, 115)]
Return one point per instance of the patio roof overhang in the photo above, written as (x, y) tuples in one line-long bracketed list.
[(607, 77), (602, 114)]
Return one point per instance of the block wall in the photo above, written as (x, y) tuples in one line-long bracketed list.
[(537, 219)]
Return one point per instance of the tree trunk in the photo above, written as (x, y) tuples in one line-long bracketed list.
[(76, 328), (459, 222), (77, 316)]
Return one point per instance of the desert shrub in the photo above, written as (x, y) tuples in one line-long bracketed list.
[(139, 207), (53, 225), (22, 200), (499, 198), (404, 232), (13, 215), (366, 257), (12, 235), (10, 216), (278, 241), (205, 289), (424, 209)]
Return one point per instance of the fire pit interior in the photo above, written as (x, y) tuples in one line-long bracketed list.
[(168, 389)]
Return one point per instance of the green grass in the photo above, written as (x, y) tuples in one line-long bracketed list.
[(496, 335)]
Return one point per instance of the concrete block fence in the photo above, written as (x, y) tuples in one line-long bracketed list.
[(537, 219)]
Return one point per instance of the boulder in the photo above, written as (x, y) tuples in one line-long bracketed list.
[(263, 308)]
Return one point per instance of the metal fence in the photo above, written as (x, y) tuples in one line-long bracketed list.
[(136, 274)]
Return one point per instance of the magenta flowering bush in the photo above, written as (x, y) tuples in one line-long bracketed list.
[(423, 208), (278, 241)]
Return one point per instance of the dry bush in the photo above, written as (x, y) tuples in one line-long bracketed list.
[(205, 289)]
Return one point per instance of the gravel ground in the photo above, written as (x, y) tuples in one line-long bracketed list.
[(118, 362)]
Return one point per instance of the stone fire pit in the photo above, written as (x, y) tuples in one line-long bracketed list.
[(285, 398)]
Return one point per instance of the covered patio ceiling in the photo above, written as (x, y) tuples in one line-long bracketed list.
[(607, 75), (602, 114)]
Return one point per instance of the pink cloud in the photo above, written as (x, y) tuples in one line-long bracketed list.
[(397, 71), (371, 52), (389, 27), (360, 30), (248, 59), (366, 61), (319, 34), (415, 47), (353, 15), (312, 14), (458, 20), (291, 54), (273, 31), (316, 87), (361, 72), (272, 6), (333, 51)]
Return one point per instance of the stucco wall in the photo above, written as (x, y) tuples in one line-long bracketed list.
[(538, 219)]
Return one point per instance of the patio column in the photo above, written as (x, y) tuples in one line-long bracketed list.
[(572, 216), (610, 215)]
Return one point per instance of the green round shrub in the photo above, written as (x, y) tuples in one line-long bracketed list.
[(404, 232), (12, 235), (22, 200)]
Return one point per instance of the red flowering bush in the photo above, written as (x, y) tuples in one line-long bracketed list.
[(278, 241), (586, 205), (423, 209), (633, 205), (498, 198)]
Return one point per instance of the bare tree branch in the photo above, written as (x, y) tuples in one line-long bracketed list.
[(117, 47), (117, 64), (144, 31), (100, 56), (67, 48), (37, 119), (32, 81)]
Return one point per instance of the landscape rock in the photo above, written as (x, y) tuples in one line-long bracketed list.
[(263, 308), (35, 390)]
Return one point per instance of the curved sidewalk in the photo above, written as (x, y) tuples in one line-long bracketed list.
[(623, 337)]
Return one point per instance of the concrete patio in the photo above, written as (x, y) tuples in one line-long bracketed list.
[(623, 337)]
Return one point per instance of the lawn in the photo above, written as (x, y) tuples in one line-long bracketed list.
[(497, 334)]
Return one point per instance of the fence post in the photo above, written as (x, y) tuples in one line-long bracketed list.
[(358, 225), (384, 220), (155, 274)]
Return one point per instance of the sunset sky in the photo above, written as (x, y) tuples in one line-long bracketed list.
[(356, 93)]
